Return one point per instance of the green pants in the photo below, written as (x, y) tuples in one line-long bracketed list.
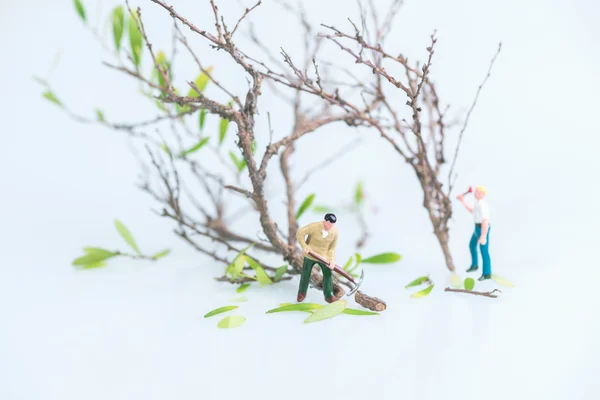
[(305, 277)]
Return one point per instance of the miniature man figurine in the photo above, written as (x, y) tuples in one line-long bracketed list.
[(321, 239), (481, 235)]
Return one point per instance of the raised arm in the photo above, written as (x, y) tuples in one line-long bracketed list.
[(461, 198)]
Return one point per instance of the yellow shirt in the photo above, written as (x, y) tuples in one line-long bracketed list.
[(323, 246)]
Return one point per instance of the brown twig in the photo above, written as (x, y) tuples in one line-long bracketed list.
[(485, 294)]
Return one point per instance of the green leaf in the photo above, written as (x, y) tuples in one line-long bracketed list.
[(219, 311), (80, 10), (92, 258), (352, 311), (422, 293), (359, 194), (469, 283), (417, 281), (51, 97), (279, 272), (161, 60), (201, 82), (236, 267), (195, 147), (455, 281), (238, 299), (161, 106), (358, 258), (295, 307), (239, 163), (118, 25), (321, 209), (383, 258), (233, 321), (135, 40), (165, 148), (305, 205), (124, 232), (262, 276), (348, 263), (98, 250), (502, 281), (202, 118), (98, 264), (253, 146), (223, 129), (100, 115), (329, 311), (161, 254), (243, 288), (252, 262)]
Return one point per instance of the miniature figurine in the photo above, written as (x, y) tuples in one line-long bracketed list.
[(319, 238), (481, 235)]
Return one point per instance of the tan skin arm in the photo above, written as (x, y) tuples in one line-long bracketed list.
[(461, 198), (331, 252)]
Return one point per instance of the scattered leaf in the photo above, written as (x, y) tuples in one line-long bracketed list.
[(118, 25), (253, 146), (239, 163), (92, 258), (223, 129), (359, 194), (124, 232), (383, 258), (455, 281), (252, 262), (80, 10), (219, 311), (135, 40), (305, 205), (242, 288), (98, 264), (161, 254), (295, 307), (352, 311), (329, 311), (236, 267), (348, 263), (422, 293), (51, 97), (239, 299), (279, 272), (417, 281), (201, 82), (502, 281), (165, 148), (469, 283), (195, 147), (262, 276), (321, 209), (202, 118), (100, 115), (98, 250), (233, 321)]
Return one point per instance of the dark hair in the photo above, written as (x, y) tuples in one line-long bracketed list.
[(331, 218)]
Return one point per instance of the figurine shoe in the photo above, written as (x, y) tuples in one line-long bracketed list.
[(331, 299), (473, 269), (301, 297), (484, 277)]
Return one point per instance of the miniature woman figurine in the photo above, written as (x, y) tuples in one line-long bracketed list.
[(481, 235), (319, 238)]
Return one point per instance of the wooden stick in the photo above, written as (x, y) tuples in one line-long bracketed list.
[(485, 294)]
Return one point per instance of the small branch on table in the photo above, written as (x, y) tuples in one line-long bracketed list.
[(485, 294)]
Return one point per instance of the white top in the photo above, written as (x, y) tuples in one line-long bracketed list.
[(481, 211)]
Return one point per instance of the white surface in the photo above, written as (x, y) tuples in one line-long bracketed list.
[(135, 331)]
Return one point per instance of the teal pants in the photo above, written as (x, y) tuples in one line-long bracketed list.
[(305, 277), (485, 250)]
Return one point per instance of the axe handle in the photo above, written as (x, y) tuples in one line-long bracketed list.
[(336, 268)]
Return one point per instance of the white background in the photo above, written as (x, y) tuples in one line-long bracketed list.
[(134, 330)]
